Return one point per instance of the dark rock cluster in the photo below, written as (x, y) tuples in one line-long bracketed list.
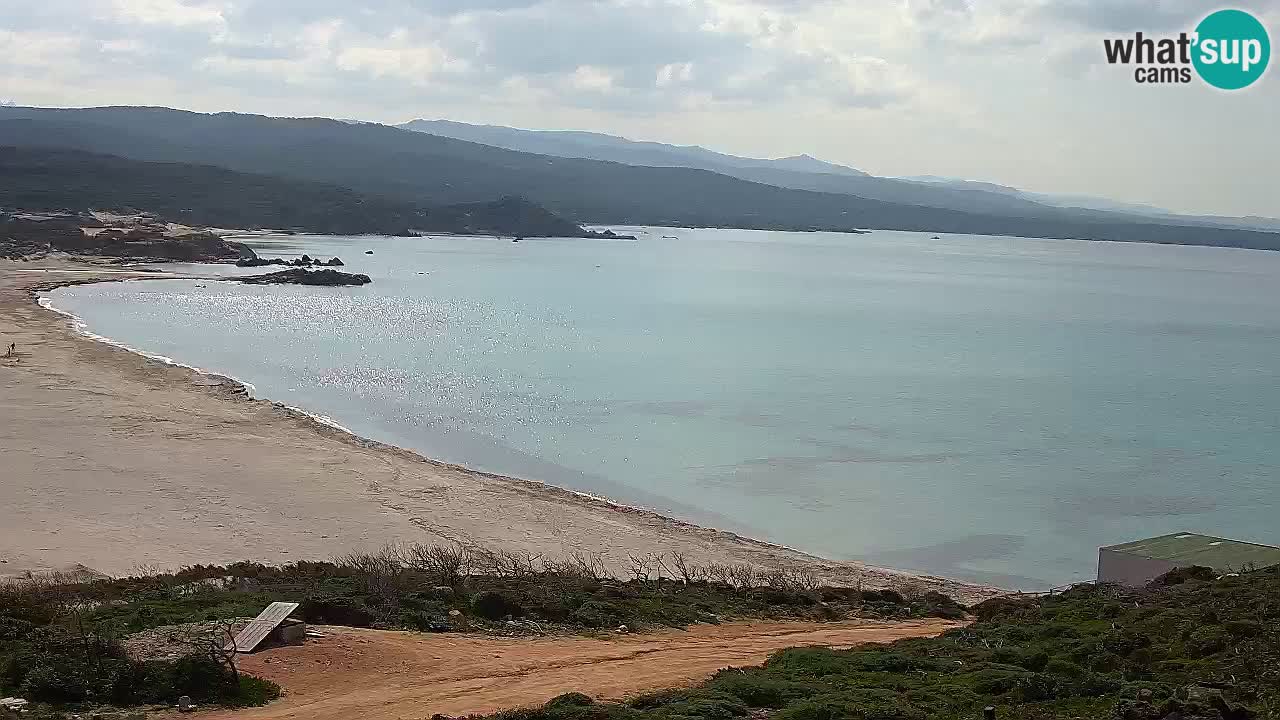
[(304, 261), (302, 276)]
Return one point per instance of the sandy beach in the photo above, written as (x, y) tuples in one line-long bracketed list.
[(116, 461)]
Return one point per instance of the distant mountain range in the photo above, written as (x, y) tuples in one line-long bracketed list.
[(1091, 202), (405, 171), (804, 172), (598, 146)]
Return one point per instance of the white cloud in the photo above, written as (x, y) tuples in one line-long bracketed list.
[(38, 48), (673, 74), (594, 79), (170, 12), (1004, 90)]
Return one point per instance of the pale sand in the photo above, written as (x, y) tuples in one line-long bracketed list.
[(116, 461)]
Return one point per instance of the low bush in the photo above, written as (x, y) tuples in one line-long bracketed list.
[(496, 605), (1203, 649)]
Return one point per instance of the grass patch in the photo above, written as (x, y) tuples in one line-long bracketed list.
[(1204, 647)]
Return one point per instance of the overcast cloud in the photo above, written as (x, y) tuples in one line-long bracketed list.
[(1000, 90)]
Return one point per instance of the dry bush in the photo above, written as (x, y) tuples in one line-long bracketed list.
[(685, 570), (218, 645), (379, 574), (790, 579), (444, 564), (909, 587), (578, 565), (643, 567), (744, 575), (504, 563)]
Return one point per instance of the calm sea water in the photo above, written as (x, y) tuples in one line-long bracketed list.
[(986, 408)]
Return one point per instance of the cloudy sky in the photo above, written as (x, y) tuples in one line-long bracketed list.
[(1009, 91)]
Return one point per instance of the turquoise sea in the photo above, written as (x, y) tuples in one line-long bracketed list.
[(987, 408)]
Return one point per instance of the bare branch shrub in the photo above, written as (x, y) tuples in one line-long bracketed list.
[(685, 570), (743, 575), (378, 574), (444, 564), (641, 566), (578, 565), (504, 563)]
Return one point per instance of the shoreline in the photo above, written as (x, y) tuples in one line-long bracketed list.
[(403, 496)]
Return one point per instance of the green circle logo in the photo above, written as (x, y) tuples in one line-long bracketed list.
[(1232, 49)]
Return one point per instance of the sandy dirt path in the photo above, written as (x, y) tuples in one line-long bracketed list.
[(114, 460), (384, 675)]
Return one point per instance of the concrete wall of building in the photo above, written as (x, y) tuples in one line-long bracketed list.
[(1131, 570)]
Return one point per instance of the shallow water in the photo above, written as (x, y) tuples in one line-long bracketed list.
[(986, 408)]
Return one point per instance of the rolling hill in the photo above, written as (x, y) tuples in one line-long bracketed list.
[(425, 169), (204, 195)]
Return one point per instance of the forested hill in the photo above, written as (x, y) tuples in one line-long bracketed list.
[(425, 169), (55, 179)]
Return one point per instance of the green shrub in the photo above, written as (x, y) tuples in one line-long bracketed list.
[(1178, 576), (702, 704), (1064, 668), (1034, 660), (892, 597), (496, 605), (1208, 640), (337, 610), (251, 692), (758, 690), (573, 699), (424, 622), (1243, 628), (598, 614), (995, 682), (1036, 687), (851, 708)]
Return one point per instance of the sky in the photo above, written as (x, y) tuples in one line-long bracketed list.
[(1009, 91)]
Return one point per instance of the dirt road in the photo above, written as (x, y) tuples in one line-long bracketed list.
[(384, 675)]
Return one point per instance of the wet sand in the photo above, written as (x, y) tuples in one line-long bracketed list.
[(116, 461)]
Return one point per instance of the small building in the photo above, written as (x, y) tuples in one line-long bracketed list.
[(1137, 563)]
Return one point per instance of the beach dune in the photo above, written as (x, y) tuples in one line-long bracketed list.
[(117, 461)]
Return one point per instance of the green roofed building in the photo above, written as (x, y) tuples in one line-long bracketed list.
[(1138, 563)]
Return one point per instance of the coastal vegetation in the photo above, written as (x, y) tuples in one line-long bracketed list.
[(1191, 646), (63, 640)]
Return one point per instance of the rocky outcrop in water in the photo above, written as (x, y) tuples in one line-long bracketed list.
[(302, 276), (304, 261)]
